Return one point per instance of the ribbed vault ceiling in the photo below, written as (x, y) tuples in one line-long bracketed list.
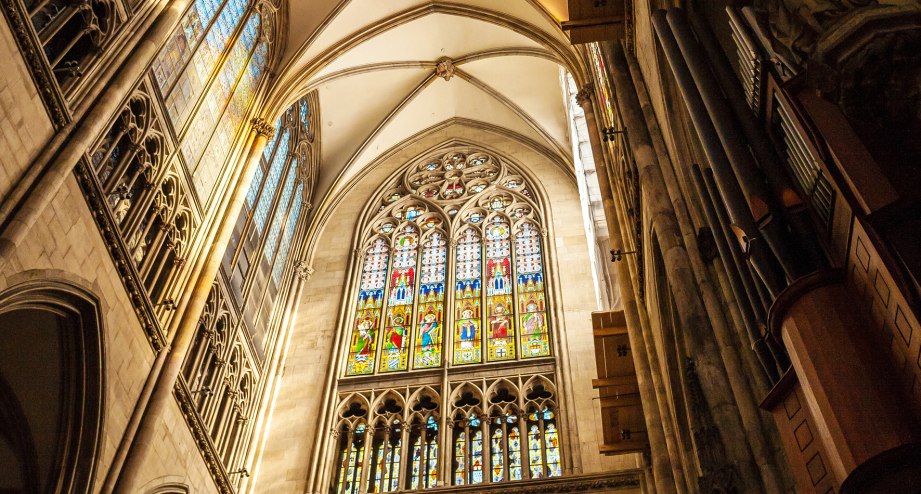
[(375, 66)]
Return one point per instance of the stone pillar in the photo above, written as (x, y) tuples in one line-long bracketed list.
[(867, 440), (664, 465), (76, 137), (188, 321), (719, 384)]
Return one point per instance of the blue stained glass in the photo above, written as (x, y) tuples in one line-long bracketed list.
[(535, 456), (460, 458), (278, 218), (552, 439), (514, 454), (476, 456), (268, 192), (253, 193), (182, 43), (496, 455), (289, 233)]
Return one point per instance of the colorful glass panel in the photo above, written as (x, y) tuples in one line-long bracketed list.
[(467, 335), (532, 311), (552, 442), (368, 313), (229, 124), (278, 218), (514, 454), (603, 85), (182, 91), (501, 330), (535, 455), (476, 456), (220, 91), (392, 474), (398, 322), (460, 458), (417, 463), (497, 453), (431, 302)]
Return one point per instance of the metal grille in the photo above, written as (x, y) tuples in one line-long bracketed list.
[(803, 166), (750, 61)]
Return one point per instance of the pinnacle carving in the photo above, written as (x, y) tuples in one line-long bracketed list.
[(445, 68)]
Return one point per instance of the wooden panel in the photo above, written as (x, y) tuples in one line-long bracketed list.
[(623, 424), (595, 20), (896, 326), (807, 457)]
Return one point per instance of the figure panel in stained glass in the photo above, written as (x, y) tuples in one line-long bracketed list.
[(501, 329), (467, 317), (476, 457), (535, 455), (535, 338), (460, 458), (431, 302), (552, 440), (415, 475), (399, 322), (496, 454), (514, 454), (370, 300)]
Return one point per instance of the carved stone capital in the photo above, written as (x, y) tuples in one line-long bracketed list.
[(584, 96), (263, 128)]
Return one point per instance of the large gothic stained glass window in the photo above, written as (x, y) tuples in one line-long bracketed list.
[(207, 73), (472, 212)]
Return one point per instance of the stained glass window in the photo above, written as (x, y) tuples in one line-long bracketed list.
[(467, 335), (353, 451), (535, 451), (370, 300), (476, 456), (514, 453), (531, 301), (385, 461), (398, 321), (497, 452), (460, 458), (431, 301), (181, 76), (425, 455), (603, 86), (501, 337)]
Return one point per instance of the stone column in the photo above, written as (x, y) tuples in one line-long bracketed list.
[(188, 321), (719, 385), (76, 137), (665, 466)]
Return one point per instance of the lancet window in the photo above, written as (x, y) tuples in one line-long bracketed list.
[(276, 204), (471, 211), (495, 430), (239, 328)]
